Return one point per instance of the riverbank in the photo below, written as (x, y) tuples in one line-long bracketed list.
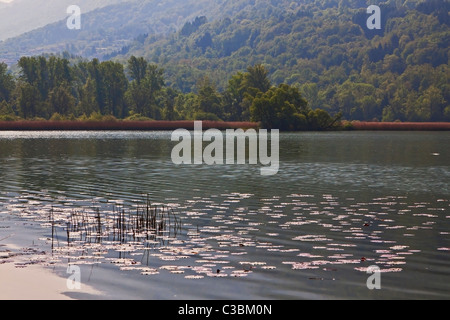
[(398, 126), (28, 270), (30, 283), (120, 125), (20, 280)]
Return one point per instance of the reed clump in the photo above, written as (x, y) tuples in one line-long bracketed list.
[(142, 222)]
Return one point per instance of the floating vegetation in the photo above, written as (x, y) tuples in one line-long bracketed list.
[(268, 267), (366, 269), (312, 238), (194, 277), (229, 236), (253, 264), (150, 273)]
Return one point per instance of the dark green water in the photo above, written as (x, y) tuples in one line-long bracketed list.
[(338, 198)]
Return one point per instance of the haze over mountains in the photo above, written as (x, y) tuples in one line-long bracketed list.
[(112, 25), (20, 16), (116, 23)]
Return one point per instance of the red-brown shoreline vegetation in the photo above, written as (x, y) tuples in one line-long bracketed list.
[(400, 126), (118, 125), (27, 125)]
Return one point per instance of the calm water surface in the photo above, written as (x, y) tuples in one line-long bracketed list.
[(340, 203)]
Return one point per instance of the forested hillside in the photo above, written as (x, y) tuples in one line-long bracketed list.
[(322, 48)]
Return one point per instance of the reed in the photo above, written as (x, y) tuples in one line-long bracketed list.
[(147, 221)]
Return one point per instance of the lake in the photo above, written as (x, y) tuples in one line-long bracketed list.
[(340, 203)]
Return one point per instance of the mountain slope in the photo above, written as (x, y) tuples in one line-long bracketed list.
[(21, 16), (324, 47), (106, 29)]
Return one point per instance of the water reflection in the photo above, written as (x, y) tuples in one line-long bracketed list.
[(340, 203)]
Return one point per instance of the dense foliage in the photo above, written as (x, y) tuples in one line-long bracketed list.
[(52, 88), (319, 48), (324, 48)]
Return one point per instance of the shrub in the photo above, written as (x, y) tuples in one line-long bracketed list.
[(109, 118), (83, 117), (6, 112), (38, 119), (348, 125), (319, 120), (95, 116), (447, 113), (206, 116), (57, 117), (137, 117), (8, 117), (299, 122)]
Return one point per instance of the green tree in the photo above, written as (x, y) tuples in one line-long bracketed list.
[(281, 107), (46, 76), (186, 105), (115, 84), (143, 91), (311, 94), (256, 79), (61, 100), (59, 71), (209, 101), (7, 83), (137, 68), (447, 113), (388, 114), (88, 98), (433, 100), (167, 100), (321, 120), (6, 112), (29, 101), (235, 109), (96, 75), (29, 69)]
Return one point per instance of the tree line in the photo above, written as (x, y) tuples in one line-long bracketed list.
[(53, 88)]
